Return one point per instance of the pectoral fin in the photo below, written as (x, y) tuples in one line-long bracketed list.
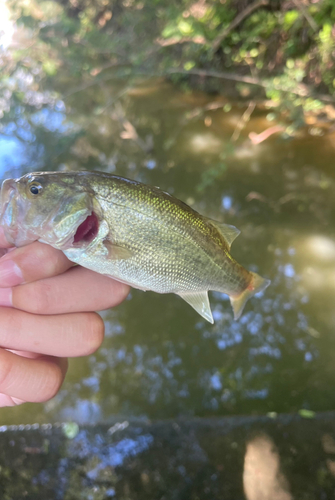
[(117, 252), (228, 232), (199, 301)]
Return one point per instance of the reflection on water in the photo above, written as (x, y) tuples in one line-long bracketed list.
[(159, 359), (246, 458), (262, 479)]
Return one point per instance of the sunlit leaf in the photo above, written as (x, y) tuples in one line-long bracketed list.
[(70, 429), (306, 413)]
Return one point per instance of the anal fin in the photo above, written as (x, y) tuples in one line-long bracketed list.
[(199, 301)]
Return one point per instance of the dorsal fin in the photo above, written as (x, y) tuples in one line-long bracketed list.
[(228, 232)]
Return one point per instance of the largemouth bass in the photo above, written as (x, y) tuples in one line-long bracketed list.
[(134, 233)]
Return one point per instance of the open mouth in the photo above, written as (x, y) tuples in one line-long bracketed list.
[(7, 193), (9, 211), (87, 230)]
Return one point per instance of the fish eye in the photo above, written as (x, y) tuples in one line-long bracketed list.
[(35, 188)]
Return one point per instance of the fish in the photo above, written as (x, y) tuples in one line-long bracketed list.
[(137, 234)]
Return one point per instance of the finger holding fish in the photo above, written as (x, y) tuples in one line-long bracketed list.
[(26, 379), (51, 286), (35, 347), (34, 351), (31, 263), (76, 290), (61, 335)]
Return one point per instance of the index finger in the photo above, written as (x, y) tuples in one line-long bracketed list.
[(31, 263)]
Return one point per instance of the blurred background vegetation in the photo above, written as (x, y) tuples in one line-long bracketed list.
[(277, 53)]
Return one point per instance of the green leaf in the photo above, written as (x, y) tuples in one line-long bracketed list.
[(169, 31), (189, 65), (306, 413), (70, 429), (326, 33), (50, 68), (290, 18), (185, 27), (290, 63)]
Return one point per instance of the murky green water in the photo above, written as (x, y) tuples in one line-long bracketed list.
[(159, 358)]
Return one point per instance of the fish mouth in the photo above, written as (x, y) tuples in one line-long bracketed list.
[(7, 192), (86, 231), (8, 215)]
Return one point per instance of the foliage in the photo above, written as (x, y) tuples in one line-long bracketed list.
[(287, 47)]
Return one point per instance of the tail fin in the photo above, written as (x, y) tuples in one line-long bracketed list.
[(257, 284)]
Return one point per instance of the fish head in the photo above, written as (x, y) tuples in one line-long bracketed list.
[(50, 207)]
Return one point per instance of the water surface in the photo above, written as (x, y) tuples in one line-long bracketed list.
[(159, 358)]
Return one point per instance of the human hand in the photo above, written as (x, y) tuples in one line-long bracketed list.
[(45, 317)]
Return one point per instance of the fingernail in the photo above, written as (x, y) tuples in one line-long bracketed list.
[(9, 401), (10, 273), (6, 297)]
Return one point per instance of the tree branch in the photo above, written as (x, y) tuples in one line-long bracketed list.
[(238, 19), (302, 89), (306, 15)]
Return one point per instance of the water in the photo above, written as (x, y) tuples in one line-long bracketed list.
[(159, 358), (212, 459)]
